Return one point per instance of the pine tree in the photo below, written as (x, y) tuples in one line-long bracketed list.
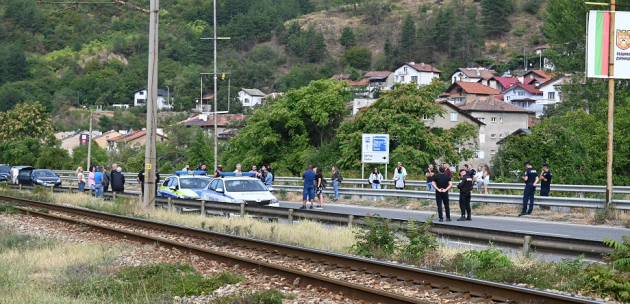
[(495, 16), (347, 38)]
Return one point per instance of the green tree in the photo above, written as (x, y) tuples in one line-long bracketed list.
[(200, 150), (358, 57), (347, 38), (20, 152), (399, 113), (281, 132), (26, 121), (407, 36), (495, 15), (98, 155), (13, 65), (53, 157)]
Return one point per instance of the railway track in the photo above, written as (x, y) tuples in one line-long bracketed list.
[(358, 278)]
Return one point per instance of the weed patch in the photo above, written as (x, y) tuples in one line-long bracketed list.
[(377, 239), (22, 242), (8, 209), (156, 283), (270, 296), (420, 240)]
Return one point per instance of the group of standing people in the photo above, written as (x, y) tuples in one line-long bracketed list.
[(99, 179), (314, 184), (481, 176), (531, 178)]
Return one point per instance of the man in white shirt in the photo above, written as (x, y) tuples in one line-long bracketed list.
[(238, 168), (14, 175)]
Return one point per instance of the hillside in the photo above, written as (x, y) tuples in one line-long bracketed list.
[(69, 56)]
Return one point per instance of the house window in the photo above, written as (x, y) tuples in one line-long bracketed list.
[(414, 78), (482, 138), (482, 119), (453, 116), (405, 70), (520, 93), (479, 154), (141, 93), (246, 100), (493, 136), (551, 95), (493, 119), (500, 120), (507, 98), (493, 152), (402, 78), (425, 117), (500, 135)]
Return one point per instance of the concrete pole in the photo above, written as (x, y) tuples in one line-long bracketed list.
[(611, 108), (216, 141), (89, 144), (150, 163)]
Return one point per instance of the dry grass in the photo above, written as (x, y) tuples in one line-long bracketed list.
[(305, 233), (28, 275)]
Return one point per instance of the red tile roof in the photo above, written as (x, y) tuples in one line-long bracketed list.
[(474, 88), (506, 82), (539, 73), (491, 105), (542, 47), (424, 67), (472, 73), (362, 82), (341, 76), (527, 87)]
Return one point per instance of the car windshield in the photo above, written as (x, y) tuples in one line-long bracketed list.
[(194, 183), (45, 173), (5, 169), (244, 185)]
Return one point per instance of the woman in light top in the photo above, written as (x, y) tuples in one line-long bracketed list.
[(268, 178), (479, 179), (81, 179), (91, 182), (486, 178), (399, 179), (375, 179)]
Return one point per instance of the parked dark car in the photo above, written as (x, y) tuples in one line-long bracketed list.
[(41, 177), (5, 174)]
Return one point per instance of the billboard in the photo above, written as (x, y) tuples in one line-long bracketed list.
[(599, 44), (375, 149), (84, 139)]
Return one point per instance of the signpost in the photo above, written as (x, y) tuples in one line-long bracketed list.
[(374, 150), (607, 56)]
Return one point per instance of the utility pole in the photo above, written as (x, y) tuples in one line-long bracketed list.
[(215, 38), (611, 108), (89, 144), (150, 167)]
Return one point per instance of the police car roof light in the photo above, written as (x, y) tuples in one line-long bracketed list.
[(226, 174), (190, 173)]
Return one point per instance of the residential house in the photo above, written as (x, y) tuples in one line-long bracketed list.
[(203, 104), (250, 97), (164, 101), (360, 103), (463, 91), (541, 76), (71, 141), (524, 96), (472, 75), (62, 135), (505, 82), (547, 64), (133, 139), (454, 116), (420, 73), (500, 118), (379, 80), (227, 124), (551, 91), (102, 140)]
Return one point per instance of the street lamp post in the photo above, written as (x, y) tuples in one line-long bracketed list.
[(168, 94)]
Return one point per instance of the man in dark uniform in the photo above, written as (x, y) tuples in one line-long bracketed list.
[(140, 179), (442, 183), (531, 179), (545, 180), (465, 188)]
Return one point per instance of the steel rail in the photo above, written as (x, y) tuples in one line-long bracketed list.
[(425, 279), (539, 242)]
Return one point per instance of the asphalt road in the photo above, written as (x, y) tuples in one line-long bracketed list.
[(514, 224)]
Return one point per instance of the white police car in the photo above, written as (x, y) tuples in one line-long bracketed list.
[(240, 188), (184, 184)]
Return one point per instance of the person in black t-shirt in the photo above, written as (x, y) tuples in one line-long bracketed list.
[(442, 183), (531, 179), (465, 188), (319, 187), (430, 173), (545, 180)]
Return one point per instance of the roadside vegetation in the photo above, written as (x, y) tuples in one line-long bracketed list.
[(383, 240)]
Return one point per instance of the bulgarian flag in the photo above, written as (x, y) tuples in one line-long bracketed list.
[(598, 44)]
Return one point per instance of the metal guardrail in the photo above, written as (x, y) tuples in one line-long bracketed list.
[(547, 201), (416, 184), (542, 243)]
